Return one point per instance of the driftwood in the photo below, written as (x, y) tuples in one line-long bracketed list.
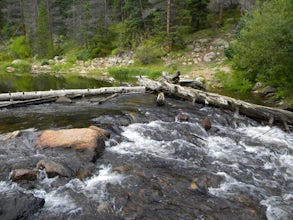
[(69, 92), (257, 112)]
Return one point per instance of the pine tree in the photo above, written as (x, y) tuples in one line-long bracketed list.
[(45, 44)]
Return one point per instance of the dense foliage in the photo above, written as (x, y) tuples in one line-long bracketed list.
[(102, 27), (264, 47)]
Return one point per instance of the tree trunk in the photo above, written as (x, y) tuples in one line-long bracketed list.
[(22, 18), (257, 112), (221, 12), (169, 25), (69, 92)]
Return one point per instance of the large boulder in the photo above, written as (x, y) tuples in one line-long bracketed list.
[(18, 205), (83, 139)]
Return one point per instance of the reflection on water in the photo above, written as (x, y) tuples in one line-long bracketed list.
[(43, 82)]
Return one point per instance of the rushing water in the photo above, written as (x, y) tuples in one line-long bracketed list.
[(242, 170)]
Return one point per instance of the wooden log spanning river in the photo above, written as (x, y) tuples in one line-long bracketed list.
[(18, 99), (257, 112), (69, 92)]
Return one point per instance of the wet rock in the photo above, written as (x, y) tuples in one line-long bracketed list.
[(206, 123), (91, 139), (24, 174), (182, 117), (200, 185), (18, 205), (121, 169), (161, 99), (54, 169), (63, 99), (83, 173)]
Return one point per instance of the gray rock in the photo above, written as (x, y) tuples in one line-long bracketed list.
[(267, 90), (209, 57), (197, 49), (190, 46), (18, 205), (10, 69), (257, 86), (17, 61), (221, 44)]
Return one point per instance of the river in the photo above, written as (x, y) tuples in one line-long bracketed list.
[(170, 169)]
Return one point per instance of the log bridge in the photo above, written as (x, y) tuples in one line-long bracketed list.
[(260, 113), (16, 99)]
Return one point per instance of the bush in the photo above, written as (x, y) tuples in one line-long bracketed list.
[(22, 66), (264, 48), (128, 74), (84, 55), (149, 52), (20, 48)]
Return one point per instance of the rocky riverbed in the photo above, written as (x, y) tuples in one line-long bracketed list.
[(154, 165)]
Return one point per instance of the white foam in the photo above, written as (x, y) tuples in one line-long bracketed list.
[(7, 186), (279, 207), (57, 202), (105, 176), (223, 147), (268, 135)]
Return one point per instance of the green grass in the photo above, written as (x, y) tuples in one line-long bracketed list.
[(234, 82)]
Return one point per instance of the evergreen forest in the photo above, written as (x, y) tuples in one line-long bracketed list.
[(260, 49)]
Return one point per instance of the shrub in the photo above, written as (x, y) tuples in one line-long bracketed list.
[(84, 55), (128, 74), (19, 47), (149, 52), (22, 66), (264, 48)]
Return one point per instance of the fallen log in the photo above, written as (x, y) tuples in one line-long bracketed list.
[(69, 92), (257, 112), (101, 101), (12, 104)]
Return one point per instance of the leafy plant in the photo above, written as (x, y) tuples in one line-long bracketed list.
[(264, 48), (20, 48), (149, 52)]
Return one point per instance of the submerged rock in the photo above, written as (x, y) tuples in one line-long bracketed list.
[(18, 205), (63, 99), (24, 174), (91, 139)]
